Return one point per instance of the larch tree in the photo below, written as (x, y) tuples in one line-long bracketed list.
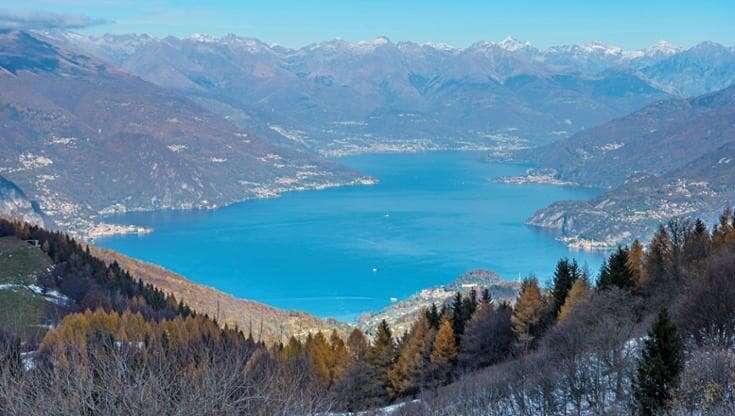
[(407, 374), (444, 352), (357, 344), (527, 318), (340, 357), (636, 256), (577, 293), (724, 231), (292, 350), (659, 368)]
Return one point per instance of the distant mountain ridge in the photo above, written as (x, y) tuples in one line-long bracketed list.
[(84, 139), (673, 159), (114, 123), (342, 97), (657, 139)]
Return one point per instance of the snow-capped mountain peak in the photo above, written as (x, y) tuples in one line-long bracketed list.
[(662, 48), (440, 46), (201, 37), (512, 44), (603, 48)]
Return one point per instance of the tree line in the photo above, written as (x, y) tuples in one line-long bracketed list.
[(652, 333)]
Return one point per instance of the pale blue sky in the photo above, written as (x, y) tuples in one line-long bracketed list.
[(626, 23)]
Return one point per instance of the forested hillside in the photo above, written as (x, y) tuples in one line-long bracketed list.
[(268, 323), (652, 332)]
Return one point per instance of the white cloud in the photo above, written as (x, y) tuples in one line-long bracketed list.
[(45, 20)]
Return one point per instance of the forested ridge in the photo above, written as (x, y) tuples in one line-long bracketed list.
[(652, 333)]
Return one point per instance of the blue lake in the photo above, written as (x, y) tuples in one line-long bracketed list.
[(343, 251)]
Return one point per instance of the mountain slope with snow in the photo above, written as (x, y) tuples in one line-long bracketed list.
[(338, 94)]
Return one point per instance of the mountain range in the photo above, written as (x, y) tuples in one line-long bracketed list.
[(85, 138), (343, 97), (97, 125)]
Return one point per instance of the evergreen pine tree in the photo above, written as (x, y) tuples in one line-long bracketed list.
[(615, 272), (658, 256), (487, 298), (381, 356), (565, 274), (488, 337), (458, 316), (357, 388), (433, 316), (697, 245), (659, 367), (469, 305)]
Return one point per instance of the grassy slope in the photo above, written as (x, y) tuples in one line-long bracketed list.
[(276, 323), (20, 262), (21, 310)]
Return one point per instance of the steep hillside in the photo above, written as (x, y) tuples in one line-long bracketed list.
[(84, 138), (704, 68), (702, 188), (267, 323), (657, 139), (24, 306), (15, 205)]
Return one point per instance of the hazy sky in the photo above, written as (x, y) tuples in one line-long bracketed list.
[(626, 23)]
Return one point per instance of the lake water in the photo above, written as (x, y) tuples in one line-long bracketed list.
[(340, 252)]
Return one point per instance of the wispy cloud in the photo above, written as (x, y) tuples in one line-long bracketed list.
[(46, 20)]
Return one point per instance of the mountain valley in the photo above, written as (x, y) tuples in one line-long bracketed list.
[(86, 139)]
